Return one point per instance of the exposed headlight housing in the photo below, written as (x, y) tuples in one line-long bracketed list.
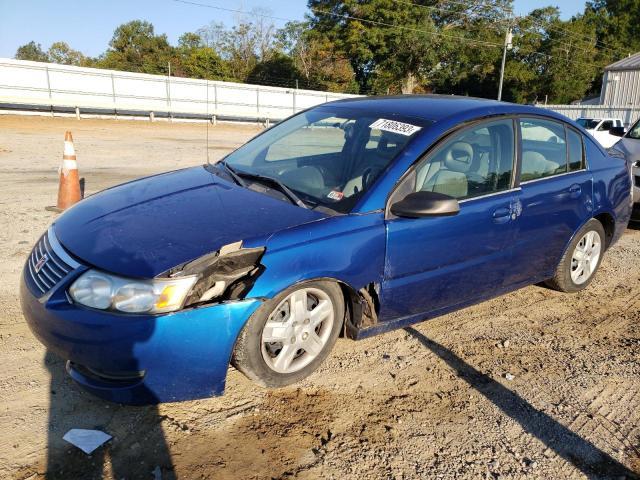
[(227, 273), (103, 291)]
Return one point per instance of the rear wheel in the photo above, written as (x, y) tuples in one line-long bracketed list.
[(581, 259), (289, 336)]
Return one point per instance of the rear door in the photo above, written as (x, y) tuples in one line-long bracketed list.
[(554, 200), (434, 264)]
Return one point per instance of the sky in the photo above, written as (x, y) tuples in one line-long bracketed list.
[(88, 25)]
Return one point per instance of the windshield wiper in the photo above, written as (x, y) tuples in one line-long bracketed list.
[(237, 176), (274, 182), (232, 172)]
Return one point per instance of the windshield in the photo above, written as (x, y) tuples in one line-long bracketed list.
[(328, 157), (588, 123), (634, 132)]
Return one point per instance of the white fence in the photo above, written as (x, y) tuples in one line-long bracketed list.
[(628, 114), (53, 87)]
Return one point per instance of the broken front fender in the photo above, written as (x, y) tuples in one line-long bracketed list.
[(347, 248), (140, 359)]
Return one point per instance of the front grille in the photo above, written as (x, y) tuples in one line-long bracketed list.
[(48, 263), (637, 180)]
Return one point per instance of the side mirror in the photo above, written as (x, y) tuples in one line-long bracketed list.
[(426, 204), (617, 131)]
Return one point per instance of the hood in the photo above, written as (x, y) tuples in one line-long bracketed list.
[(145, 227)]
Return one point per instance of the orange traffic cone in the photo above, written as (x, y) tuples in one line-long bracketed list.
[(69, 187)]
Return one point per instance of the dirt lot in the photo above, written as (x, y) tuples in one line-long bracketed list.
[(427, 402)]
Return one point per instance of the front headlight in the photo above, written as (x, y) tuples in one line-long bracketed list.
[(100, 290)]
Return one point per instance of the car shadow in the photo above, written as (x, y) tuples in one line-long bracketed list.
[(137, 450), (584, 455)]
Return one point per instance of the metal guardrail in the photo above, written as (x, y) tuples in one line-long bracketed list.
[(50, 87), (151, 114)]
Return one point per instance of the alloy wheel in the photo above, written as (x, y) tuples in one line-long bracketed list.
[(585, 257), (297, 330)]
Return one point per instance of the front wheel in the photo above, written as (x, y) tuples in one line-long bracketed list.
[(289, 336), (581, 259)]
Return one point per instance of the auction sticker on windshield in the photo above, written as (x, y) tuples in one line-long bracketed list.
[(395, 127)]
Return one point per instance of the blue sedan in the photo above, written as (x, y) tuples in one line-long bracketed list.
[(352, 218)]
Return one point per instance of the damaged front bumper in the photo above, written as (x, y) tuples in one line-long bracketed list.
[(139, 359)]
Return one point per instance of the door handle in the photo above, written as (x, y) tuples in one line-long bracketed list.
[(575, 190), (501, 215)]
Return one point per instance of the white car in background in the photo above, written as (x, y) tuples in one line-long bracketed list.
[(629, 147), (599, 128)]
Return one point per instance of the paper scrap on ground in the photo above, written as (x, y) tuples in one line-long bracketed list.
[(86, 440)]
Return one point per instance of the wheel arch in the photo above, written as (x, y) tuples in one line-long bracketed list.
[(357, 302), (597, 217), (609, 225)]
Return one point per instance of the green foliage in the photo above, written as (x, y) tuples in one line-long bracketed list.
[(617, 25), (316, 63), (194, 59), (60, 52), (135, 47), (388, 46), (399, 46), (31, 51), (278, 71)]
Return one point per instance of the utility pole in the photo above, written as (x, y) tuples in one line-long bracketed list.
[(508, 45)]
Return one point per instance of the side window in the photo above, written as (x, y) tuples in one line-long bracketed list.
[(606, 126), (474, 162), (634, 131), (575, 150), (544, 149)]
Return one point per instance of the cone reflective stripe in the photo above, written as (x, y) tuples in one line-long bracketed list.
[(69, 187)]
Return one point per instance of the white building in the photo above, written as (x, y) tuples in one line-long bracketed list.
[(621, 82)]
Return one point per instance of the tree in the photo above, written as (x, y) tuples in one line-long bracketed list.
[(135, 47), (402, 46), (249, 42), (571, 67), (190, 41), (31, 51), (195, 59), (279, 71), (60, 52), (617, 26), (315, 59)]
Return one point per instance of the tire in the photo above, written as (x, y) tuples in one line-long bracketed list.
[(567, 277), (260, 359)]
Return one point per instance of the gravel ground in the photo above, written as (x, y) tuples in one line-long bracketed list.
[(534, 384)]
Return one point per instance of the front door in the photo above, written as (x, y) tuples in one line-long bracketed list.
[(437, 263)]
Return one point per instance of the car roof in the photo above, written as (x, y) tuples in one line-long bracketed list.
[(435, 107)]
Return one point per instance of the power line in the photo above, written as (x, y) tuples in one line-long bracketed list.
[(344, 17), (569, 33), (418, 30), (450, 12), (568, 47), (390, 25), (572, 45), (577, 62), (469, 4)]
